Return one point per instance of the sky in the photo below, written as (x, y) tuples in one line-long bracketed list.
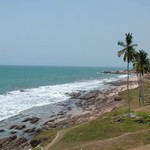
[(70, 32)]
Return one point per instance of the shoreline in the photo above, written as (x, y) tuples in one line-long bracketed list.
[(81, 107)]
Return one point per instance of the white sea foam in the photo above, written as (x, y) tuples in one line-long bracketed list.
[(12, 103)]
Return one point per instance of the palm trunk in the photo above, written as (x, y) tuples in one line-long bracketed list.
[(138, 79), (142, 89), (128, 90)]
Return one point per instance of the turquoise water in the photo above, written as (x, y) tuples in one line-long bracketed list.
[(24, 87), (20, 77)]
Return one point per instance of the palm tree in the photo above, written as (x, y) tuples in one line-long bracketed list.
[(138, 68), (141, 65), (129, 54)]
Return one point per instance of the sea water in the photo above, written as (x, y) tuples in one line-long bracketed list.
[(24, 87)]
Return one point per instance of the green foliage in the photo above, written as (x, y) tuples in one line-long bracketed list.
[(46, 136), (128, 48)]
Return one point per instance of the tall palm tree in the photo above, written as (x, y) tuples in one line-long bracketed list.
[(129, 54), (138, 68), (141, 64)]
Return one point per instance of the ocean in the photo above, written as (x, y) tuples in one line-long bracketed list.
[(24, 87)]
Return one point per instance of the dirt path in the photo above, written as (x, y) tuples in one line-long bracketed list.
[(59, 135), (57, 138), (109, 141)]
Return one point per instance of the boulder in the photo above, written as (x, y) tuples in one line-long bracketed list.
[(89, 95), (31, 130), (74, 94), (2, 130), (13, 132), (34, 142), (18, 127), (32, 120), (117, 98)]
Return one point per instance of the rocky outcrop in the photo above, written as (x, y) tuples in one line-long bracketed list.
[(14, 143), (18, 127), (32, 120), (89, 95), (74, 95), (119, 72), (31, 130)]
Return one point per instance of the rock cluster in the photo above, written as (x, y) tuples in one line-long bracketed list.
[(32, 120), (14, 143)]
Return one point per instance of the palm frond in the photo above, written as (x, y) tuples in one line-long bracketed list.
[(121, 43), (129, 38), (134, 45), (121, 52)]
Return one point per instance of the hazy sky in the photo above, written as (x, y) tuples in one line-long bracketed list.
[(70, 32)]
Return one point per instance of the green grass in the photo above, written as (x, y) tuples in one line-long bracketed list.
[(45, 136), (101, 129)]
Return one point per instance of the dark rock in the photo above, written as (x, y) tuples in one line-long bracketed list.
[(52, 116), (107, 72), (69, 108), (18, 127), (14, 143), (22, 90), (32, 120), (117, 98), (13, 132), (38, 130), (62, 117), (61, 113), (74, 94), (2, 130), (51, 120), (89, 95), (30, 130), (34, 143)]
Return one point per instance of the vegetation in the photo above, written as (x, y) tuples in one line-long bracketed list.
[(141, 65), (129, 52), (46, 136)]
